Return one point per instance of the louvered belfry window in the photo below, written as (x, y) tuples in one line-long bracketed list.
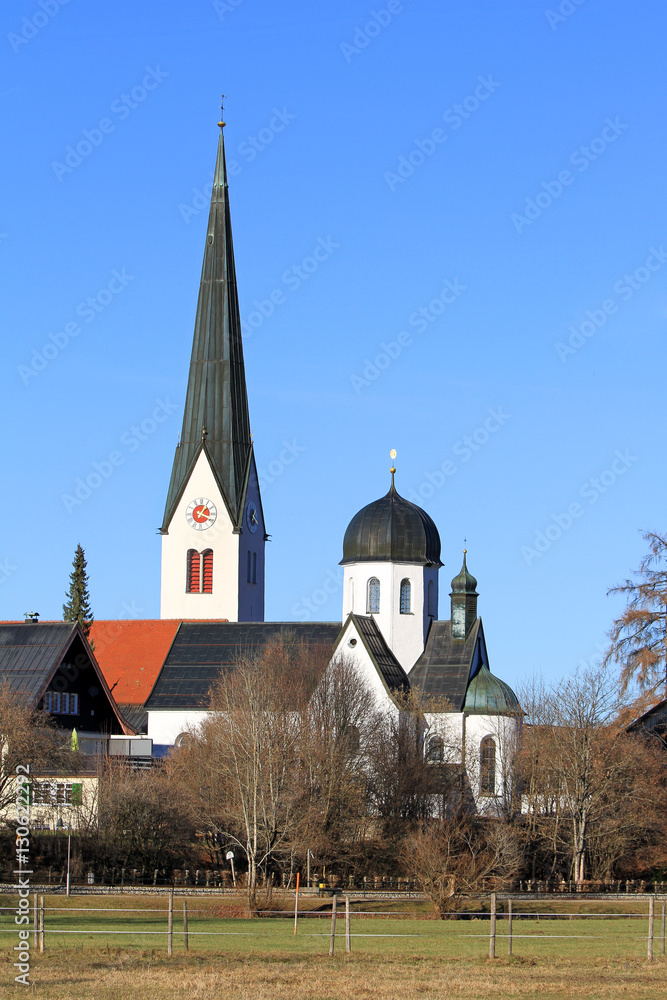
[(193, 573), (207, 574), (487, 761)]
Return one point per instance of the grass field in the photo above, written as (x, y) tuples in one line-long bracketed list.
[(402, 955)]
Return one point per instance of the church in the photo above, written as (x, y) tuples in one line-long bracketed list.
[(213, 538)]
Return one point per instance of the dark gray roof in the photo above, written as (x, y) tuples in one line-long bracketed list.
[(201, 649), (392, 529), (30, 654), (391, 671), (136, 716), (446, 666), (216, 397)]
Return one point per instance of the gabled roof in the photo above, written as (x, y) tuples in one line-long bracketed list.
[(447, 665), (390, 670), (655, 719), (131, 653), (216, 415), (30, 655), (202, 649)]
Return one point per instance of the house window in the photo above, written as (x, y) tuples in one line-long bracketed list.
[(436, 750), (487, 766), (56, 793), (373, 599), (207, 571), (193, 572), (61, 703), (406, 597)]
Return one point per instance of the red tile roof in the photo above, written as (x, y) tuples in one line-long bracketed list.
[(130, 654)]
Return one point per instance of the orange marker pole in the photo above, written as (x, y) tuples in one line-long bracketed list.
[(296, 901)]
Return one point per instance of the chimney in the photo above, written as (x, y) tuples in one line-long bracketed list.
[(31, 617)]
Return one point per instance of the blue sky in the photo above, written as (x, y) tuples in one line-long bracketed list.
[(499, 166)]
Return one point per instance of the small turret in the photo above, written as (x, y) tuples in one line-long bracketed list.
[(464, 602)]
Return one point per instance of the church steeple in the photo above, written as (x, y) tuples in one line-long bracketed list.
[(216, 415), (213, 531), (464, 602)]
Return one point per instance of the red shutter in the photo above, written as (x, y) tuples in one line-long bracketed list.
[(192, 576), (208, 571)]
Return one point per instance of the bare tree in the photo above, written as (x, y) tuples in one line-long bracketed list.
[(453, 858), (27, 738), (638, 639)]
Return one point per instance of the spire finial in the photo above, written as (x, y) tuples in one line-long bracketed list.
[(392, 456), (222, 123)]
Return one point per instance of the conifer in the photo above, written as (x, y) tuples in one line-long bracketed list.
[(77, 607)]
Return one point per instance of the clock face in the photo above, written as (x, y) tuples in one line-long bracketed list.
[(251, 516), (201, 514)]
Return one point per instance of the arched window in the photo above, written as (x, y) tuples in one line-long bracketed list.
[(373, 599), (406, 597), (431, 599), (487, 766), (207, 571), (193, 572), (436, 750)]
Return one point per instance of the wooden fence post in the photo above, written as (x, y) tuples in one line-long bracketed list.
[(41, 925), (663, 927), (348, 940), (185, 924), (332, 940), (509, 927), (35, 919), (492, 931), (651, 908), (170, 923)]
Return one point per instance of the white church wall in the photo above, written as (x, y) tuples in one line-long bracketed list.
[(505, 731), (352, 647), (223, 602), (405, 634), (165, 726)]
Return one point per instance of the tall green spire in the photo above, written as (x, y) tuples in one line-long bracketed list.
[(216, 415)]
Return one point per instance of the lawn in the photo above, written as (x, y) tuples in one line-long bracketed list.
[(402, 955)]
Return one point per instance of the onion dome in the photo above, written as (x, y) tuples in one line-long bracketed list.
[(488, 695), (465, 582), (392, 529)]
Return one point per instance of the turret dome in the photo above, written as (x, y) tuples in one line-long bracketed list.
[(392, 529), (488, 695)]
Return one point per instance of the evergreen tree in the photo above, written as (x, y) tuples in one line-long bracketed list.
[(77, 608)]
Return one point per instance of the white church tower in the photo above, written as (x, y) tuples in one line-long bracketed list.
[(213, 532), (391, 558)]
